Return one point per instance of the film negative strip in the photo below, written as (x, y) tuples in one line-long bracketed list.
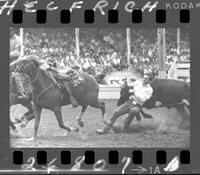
[(99, 86)]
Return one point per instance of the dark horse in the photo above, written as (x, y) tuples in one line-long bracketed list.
[(15, 98), (47, 95)]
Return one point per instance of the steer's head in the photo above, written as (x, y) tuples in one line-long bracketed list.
[(124, 95)]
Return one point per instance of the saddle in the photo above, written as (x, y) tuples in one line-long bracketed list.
[(67, 75)]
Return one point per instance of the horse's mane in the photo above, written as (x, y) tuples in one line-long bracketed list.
[(37, 64), (26, 57), (33, 59), (44, 73)]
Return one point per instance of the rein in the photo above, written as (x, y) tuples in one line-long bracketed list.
[(45, 89), (35, 77)]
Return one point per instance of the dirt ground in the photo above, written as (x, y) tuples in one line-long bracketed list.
[(161, 131)]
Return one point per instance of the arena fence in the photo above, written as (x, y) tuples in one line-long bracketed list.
[(112, 90), (182, 71), (109, 92)]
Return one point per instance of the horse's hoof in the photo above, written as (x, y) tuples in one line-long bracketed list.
[(74, 129), (100, 131), (23, 125), (17, 120), (18, 133), (31, 139), (80, 123)]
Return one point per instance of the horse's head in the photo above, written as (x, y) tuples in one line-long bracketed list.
[(124, 95), (27, 67), (26, 71)]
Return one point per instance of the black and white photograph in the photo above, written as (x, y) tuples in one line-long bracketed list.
[(99, 88)]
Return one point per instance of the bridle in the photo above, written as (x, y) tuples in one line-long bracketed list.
[(36, 77)]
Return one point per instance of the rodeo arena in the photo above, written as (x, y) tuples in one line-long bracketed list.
[(99, 87)]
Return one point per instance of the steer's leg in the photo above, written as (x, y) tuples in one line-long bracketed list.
[(79, 117), (27, 119), (185, 118)]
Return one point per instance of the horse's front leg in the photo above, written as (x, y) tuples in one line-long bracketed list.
[(58, 114), (79, 117), (28, 115), (100, 105), (37, 113)]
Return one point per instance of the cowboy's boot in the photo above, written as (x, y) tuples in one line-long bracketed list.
[(73, 101), (106, 129)]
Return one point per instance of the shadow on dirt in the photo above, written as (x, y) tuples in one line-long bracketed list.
[(148, 129), (135, 129)]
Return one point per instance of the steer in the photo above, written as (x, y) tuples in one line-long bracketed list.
[(170, 93)]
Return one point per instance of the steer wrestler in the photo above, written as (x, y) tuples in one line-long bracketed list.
[(141, 92)]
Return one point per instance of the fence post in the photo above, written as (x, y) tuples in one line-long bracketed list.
[(22, 42), (77, 43), (161, 53), (128, 41)]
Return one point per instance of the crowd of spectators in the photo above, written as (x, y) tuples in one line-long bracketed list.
[(103, 50)]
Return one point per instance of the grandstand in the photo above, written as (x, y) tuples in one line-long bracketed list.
[(107, 51)]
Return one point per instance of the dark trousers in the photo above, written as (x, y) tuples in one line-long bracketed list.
[(128, 107)]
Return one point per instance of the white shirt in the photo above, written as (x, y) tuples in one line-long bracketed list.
[(142, 93)]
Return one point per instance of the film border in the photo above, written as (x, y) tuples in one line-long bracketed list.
[(195, 87)]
